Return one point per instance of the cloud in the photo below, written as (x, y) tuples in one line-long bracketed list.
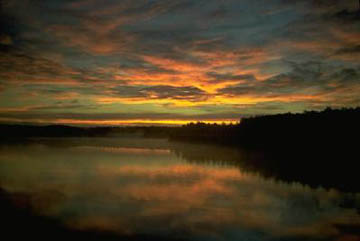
[(208, 56), (18, 66), (156, 92), (326, 28), (96, 43), (216, 77), (349, 50), (323, 82), (100, 29), (180, 93), (5, 40), (324, 6)]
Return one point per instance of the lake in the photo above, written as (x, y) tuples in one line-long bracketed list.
[(132, 185)]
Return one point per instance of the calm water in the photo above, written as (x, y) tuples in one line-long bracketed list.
[(147, 186)]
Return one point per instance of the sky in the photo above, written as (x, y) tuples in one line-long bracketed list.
[(96, 62)]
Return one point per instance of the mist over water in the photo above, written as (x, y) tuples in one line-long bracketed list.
[(134, 186)]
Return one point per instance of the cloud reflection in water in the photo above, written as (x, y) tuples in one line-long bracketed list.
[(134, 190)]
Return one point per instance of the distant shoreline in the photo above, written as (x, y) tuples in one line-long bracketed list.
[(315, 148)]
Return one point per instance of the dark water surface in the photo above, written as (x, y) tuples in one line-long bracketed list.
[(150, 186)]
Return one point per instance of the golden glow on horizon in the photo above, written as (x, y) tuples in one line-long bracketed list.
[(130, 122), (141, 122)]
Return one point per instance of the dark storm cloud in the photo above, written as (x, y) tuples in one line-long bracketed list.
[(160, 92), (5, 39), (145, 67), (218, 78), (181, 93), (325, 27), (2, 87), (128, 91), (324, 6), (61, 106), (15, 65), (349, 50), (312, 78), (104, 28), (56, 91)]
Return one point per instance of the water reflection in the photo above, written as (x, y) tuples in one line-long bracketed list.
[(151, 187)]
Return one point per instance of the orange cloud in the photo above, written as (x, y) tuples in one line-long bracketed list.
[(90, 41)]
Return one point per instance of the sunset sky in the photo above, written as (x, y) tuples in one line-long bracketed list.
[(174, 61)]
